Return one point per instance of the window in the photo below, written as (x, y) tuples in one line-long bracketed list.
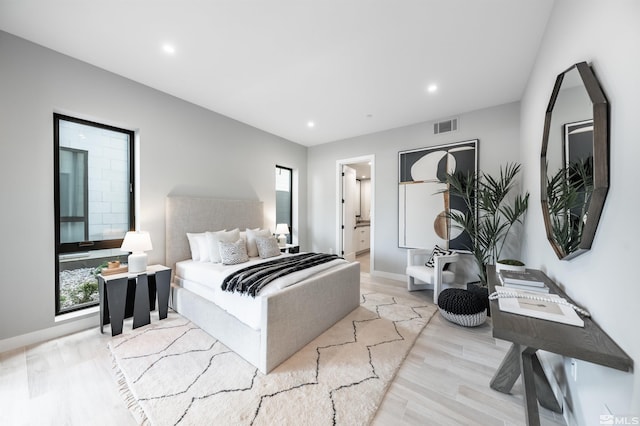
[(74, 192), (284, 199), (93, 183)]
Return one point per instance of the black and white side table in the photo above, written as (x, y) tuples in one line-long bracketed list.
[(290, 248), (126, 295)]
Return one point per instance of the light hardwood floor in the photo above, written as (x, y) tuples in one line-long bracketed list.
[(443, 381)]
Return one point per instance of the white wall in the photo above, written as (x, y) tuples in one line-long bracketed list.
[(604, 280), (497, 129), (184, 149)]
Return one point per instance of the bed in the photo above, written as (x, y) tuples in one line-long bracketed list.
[(288, 319)]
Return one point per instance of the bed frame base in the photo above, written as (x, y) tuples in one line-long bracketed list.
[(293, 317)]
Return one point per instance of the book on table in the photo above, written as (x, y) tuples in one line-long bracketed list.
[(550, 307), (533, 288), (530, 277)]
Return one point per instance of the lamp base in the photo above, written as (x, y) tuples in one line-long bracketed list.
[(137, 263), (282, 240)]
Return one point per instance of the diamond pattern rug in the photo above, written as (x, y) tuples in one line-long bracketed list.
[(171, 372)]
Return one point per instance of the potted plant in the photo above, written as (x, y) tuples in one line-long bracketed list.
[(510, 265), (492, 211)]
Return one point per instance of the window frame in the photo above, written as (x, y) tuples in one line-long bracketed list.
[(63, 248)]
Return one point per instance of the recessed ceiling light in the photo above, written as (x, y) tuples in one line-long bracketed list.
[(168, 49), (432, 88), (310, 124)]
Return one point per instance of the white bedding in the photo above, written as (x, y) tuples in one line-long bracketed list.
[(205, 278)]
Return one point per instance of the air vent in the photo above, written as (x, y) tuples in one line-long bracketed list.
[(445, 126)]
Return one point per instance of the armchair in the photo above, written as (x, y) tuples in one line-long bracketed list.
[(434, 277)]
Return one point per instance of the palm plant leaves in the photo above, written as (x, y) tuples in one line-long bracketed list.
[(490, 213), (568, 195)]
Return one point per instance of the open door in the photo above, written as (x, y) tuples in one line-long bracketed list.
[(349, 196)]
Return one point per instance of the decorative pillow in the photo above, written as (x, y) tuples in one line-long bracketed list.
[(233, 253), (194, 245), (437, 251), (212, 243), (267, 247), (252, 234)]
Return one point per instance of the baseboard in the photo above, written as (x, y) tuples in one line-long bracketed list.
[(63, 328)]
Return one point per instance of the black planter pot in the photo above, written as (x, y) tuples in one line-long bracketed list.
[(481, 291)]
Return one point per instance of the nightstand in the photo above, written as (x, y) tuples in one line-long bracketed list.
[(290, 248), (133, 295)]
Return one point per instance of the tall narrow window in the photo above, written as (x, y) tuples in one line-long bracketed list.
[(284, 199), (93, 205)]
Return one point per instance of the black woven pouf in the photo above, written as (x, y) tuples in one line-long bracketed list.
[(462, 307)]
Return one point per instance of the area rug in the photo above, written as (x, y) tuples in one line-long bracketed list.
[(173, 373)]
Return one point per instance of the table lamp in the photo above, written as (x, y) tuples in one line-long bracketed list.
[(282, 230), (137, 242)]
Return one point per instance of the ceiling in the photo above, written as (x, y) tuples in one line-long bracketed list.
[(363, 170), (351, 67)]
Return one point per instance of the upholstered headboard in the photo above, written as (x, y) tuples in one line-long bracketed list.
[(196, 214)]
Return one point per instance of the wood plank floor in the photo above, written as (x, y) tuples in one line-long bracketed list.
[(445, 378), (443, 381)]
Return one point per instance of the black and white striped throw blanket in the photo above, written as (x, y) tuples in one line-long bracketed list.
[(252, 279)]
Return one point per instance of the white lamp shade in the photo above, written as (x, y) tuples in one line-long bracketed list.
[(282, 228), (137, 243)]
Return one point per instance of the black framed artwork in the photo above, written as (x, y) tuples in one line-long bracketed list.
[(422, 204), (578, 163), (578, 141)]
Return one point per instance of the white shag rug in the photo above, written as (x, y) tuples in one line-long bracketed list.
[(173, 373)]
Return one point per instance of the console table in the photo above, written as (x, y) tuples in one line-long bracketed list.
[(126, 295), (528, 335)]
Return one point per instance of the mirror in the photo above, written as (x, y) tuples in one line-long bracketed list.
[(574, 161)]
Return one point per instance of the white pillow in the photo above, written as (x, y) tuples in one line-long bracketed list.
[(252, 234), (233, 253), (194, 244), (243, 237), (203, 248), (213, 248), (267, 247)]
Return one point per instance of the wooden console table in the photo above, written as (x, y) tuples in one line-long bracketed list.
[(528, 335)]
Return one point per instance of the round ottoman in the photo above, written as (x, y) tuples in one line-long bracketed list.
[(462, 307)]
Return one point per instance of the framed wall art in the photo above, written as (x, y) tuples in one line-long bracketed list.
[(578, 141), (422, 206)]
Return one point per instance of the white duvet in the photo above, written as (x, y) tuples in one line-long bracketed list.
[(205, 278)]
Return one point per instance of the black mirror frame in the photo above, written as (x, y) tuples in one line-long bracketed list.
[(600, 159)]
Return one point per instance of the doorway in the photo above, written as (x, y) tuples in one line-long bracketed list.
[(355, 210)]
